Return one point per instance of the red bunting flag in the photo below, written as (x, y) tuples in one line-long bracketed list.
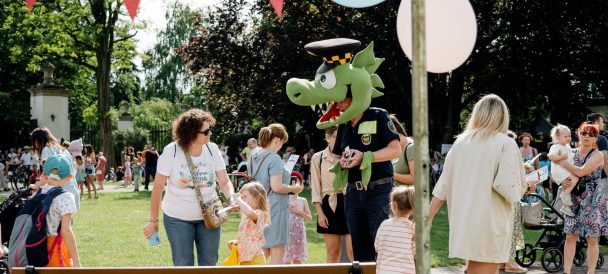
[(29, 4), (278, 7), (132, 7)]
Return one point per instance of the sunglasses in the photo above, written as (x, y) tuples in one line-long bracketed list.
[(588, 133), (206, 131)]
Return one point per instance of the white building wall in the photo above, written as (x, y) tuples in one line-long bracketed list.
[(47, 104)]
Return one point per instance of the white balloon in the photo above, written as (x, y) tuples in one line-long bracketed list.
[(451, 30), (358, 3)]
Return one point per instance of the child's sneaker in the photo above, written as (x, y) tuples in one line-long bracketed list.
[(567, 211), (566, 198)]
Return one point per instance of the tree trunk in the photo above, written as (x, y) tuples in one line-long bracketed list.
[(103, 97)]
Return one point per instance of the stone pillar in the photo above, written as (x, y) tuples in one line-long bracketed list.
[(49, 105), (125, 121)]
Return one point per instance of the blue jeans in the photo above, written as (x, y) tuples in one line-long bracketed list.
[(365, 212), (182, 234)]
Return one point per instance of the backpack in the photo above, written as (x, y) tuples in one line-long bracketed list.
[(432, 176), (28, 242)]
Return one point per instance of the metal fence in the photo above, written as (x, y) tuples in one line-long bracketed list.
[(89, 135), (159, 136)]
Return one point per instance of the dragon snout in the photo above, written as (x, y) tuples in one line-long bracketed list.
[(296, 89)]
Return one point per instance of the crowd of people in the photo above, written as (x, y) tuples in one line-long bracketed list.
[(361, 190)]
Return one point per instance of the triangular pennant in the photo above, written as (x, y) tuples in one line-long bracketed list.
[(278, 7), (29, 4), (132, 7)]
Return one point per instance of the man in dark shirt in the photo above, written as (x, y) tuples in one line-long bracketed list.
[(367, 209), (602, 141), (150, 160)]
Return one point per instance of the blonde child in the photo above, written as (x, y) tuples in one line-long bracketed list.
[(255, 217), (136, 170), (296, 252), (395, 238), (81, 176), (561, 150)]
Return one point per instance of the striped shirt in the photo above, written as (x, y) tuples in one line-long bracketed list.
[(395, 247)]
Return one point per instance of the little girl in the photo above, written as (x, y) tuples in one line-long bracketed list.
[(128, 174), (395, 238), (81, 175), (136, 171), (255, 217), (296, 252), (561, 150)]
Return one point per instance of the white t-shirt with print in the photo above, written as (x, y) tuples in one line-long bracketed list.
[(26, 159), (61, 205), (180, 202)]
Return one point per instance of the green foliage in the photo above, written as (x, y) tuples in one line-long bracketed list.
[(166, 74), (90, 116), (153, 113)]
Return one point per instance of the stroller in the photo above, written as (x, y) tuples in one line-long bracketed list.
[(8, 213), (552, 238)]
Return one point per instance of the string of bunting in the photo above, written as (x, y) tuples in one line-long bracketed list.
[(132, 6)]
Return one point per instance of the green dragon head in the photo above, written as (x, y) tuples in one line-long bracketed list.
[(337, 80)]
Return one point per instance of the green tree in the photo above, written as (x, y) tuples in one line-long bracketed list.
[(166, 74), (89, 34), (154, 113)]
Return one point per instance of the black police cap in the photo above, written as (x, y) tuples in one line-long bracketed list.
[(334, 52)]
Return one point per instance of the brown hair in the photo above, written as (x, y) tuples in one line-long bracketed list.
[(257, 191), (42, 137), (524, 135), (403, 198), (89, 150), (267, 134), (398, 125), (330, 130), (186, 126)]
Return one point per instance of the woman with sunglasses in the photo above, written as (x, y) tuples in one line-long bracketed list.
[(182, 214), (591, 220)]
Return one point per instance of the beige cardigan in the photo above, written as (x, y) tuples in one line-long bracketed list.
[(480, 182)]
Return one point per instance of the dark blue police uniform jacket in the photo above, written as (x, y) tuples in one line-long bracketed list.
[(363, 140)]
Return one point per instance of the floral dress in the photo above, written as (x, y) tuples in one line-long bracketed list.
[(296, 250), (250, 236), (591, 218)]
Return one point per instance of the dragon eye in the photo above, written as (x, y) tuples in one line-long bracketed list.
[(327, 79)]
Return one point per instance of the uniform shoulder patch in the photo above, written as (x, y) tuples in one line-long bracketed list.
[(392, 127)]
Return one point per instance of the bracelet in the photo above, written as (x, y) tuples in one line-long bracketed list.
[(153, 220)]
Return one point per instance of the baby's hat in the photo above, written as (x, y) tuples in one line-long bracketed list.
[(75, 147), (59, 162)]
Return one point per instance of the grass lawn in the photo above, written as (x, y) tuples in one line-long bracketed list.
[(109, 232)]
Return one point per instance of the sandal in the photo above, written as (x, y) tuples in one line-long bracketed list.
[(517, 269)]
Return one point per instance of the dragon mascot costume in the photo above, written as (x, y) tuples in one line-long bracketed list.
[(366, 139)]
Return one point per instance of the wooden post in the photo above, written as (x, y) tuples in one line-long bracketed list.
[(421, 138)]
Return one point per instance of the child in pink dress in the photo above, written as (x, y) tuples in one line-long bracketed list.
[(296, 252), (255, 217)]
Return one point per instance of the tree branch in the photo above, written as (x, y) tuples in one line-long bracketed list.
[(125, 38), (87, 46)]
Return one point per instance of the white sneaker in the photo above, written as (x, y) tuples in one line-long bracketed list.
[(566, 198), (567, 211)]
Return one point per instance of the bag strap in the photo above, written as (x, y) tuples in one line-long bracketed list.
[(197, 188), (257, 170), (587, 157)]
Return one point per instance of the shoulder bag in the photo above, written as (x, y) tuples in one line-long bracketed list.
[(581, 186), (211, 217)]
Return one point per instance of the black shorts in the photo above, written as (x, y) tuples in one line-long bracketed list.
[(336, 220)]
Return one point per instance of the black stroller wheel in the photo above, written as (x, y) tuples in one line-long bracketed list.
[(600, 261), (3, 267), (579, 258), (552, 259), (525, 257)]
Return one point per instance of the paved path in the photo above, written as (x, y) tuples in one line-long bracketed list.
[(534, 269)]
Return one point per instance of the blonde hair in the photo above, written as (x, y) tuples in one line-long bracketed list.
[(403, 198), (557, 131), (490, 116), (267, 134), (257, 191)]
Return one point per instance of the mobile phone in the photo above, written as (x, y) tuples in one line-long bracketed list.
[(154, 239), (350, 156)]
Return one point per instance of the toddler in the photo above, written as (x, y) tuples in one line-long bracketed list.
[(296, 252), (136, 170), (255, 217), (395, 238), (81, 176), (561, 150)]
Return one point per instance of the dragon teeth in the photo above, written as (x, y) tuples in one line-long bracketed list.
[(313, 107)]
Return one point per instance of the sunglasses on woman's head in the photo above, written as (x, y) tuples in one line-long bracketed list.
[(206, 131), (588, 133)]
